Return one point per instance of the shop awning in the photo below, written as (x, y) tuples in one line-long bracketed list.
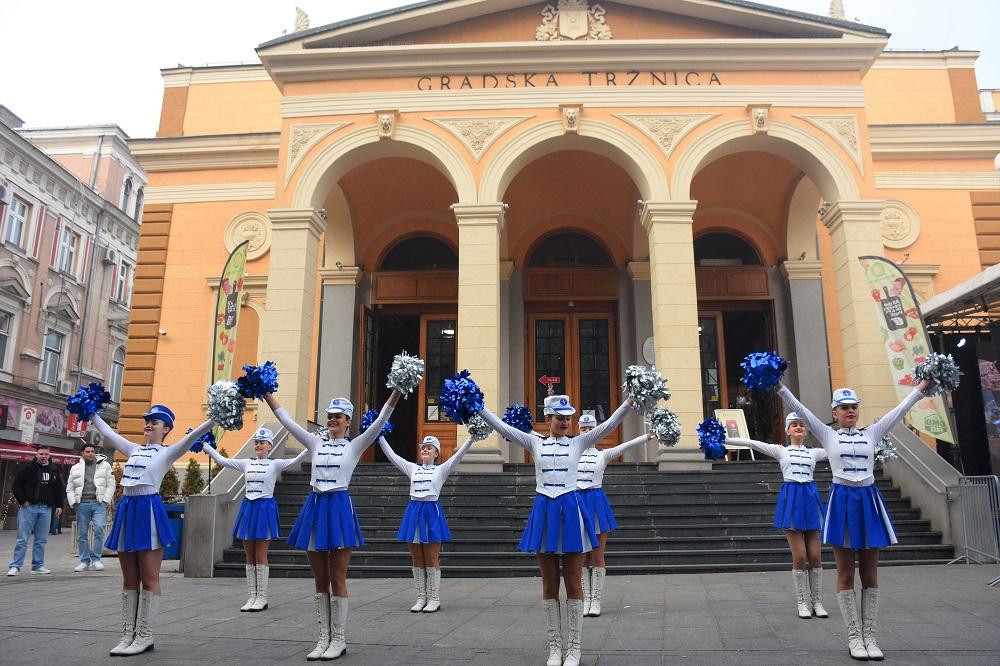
[(26, 453), (972, 304)]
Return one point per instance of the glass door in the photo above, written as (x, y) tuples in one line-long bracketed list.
[(437, 348), (713, 367)]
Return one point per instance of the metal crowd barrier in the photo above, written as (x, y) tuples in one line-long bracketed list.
[(979, 498)]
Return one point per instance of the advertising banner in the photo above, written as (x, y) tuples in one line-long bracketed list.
[(227, 317)]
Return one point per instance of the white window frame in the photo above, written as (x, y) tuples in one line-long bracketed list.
[(20, 220), (48, 354), (116, 376), (123, 283), (66, 257), (8, 336), (126, 194)]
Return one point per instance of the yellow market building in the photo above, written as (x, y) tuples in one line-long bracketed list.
[(538, 190)]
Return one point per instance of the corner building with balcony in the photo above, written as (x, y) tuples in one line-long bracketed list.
[(532, 191)]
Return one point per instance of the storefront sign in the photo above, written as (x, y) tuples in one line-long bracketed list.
[(75, 427), (27, 424), (594, 79)]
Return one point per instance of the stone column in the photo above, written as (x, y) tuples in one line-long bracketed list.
[(338, 349), (288, 324), (812, 357), (675, 321), (642, 321), (479, 227), (856, 230)]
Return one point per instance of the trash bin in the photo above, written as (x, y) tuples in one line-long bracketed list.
[(175, 513)]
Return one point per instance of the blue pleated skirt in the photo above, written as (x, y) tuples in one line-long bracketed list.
[(558, 525), (424, 522), (857, 518), (257, 519), (799, 507), (141, 523), (327, 521), (600, 510)]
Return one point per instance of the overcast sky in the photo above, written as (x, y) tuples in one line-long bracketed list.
[(75, 62)]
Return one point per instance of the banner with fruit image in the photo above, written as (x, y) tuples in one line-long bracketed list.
[(906, 341), (227, 317)]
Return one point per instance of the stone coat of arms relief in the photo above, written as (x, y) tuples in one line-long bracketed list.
[(573, 19)]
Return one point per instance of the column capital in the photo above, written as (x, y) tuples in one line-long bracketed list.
[(802, 270), (347, 275), (506, 268), (861, 210), (297, 218), (480, 214), (669, 212), (639, 270)]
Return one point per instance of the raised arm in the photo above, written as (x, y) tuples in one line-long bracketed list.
[(285, 463), (403, 465), (172, 453), (365, 439), (456, 457), (588, 439), (772, 450), (816, 426), (113, 439), (877, 430), (616, 451), (511, 434), (240, 464), (306, 438), (819, 453)]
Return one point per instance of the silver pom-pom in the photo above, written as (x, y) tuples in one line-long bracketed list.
[(664, 426), (942, 369), (885, 451), (406, 373), (478, 428), (645, 387), (323, 433), (226, 405)]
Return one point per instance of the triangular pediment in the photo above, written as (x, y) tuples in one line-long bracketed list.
[(486, 21)]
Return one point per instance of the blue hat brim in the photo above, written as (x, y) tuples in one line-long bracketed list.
[(163, 416)]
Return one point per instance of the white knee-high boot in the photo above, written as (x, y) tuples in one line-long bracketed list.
[(849, 609), (585, 578), (574, 614), (130, 604), (338, 629), (554, 625), (420, 583), (596, 591), (433, 590), (322, 603), (251, 588), (816, 592), (869, 617), (145, 615), (801, 580), (260, 602)]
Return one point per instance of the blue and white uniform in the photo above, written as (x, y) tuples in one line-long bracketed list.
[(590, 478), (327, 519), (258, 515), (856, 516), (140, 519), (559, 521), (424, 520), (799, 505)]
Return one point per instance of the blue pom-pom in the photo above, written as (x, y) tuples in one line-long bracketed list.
[(518, 416), (762, 370), (87, 401), (208, 439), (712, 439), (258, 380), (368, 418), (461, 398)]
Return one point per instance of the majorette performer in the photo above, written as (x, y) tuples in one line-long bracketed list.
[(856, 518), (141, 529), (589, 481), (424, 527), (327, 526), (257, 521), (799, 511), (559, 524)]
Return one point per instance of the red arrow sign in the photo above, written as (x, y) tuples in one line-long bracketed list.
[(545, 379)]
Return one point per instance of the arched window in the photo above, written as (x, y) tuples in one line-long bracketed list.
[(139, 196), (117, 374), (722, 249), (568, 249), (419, 253), (126, 194)]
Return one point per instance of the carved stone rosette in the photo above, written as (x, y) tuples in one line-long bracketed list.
[(250, 226), (900, 225)]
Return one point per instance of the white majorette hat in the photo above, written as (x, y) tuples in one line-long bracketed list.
[(845, 396), (792, 416), (263, 435), (587, 419), (341, 406), (433, 441), (558, 404)]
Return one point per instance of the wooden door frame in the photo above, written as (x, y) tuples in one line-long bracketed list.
[(721, 353)]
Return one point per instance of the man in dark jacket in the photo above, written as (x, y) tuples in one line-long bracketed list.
[(38, 489)]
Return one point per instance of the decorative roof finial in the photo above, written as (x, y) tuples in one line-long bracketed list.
[(837, 10), (301, 20)]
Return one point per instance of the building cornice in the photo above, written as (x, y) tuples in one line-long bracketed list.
[(179, 77), (167, 194), (292, 63), (937, 180), (900, 142), (207, 152), (926, 60)]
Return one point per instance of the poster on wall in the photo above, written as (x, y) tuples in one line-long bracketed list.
[(906, 341), (227, 318)]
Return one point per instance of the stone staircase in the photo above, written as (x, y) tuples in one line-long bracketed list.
[(669, 522)]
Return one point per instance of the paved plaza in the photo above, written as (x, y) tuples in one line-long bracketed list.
[(930, 615)]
